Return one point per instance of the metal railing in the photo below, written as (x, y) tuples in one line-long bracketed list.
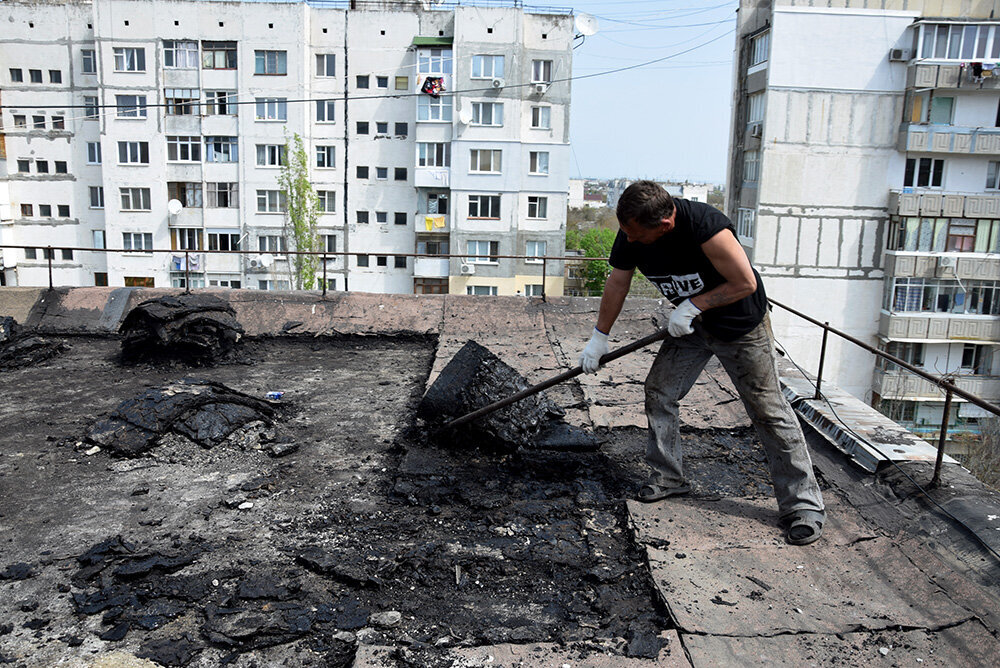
[(949, 388)]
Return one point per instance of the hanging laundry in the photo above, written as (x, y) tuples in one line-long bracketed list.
[(433, 86), (177, 262), (429, 222), (977, 69), (439, 221)]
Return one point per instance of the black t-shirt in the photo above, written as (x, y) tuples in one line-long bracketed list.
[(676, 264)]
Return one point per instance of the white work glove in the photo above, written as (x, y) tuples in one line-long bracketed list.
[(597, 347), (680, 320)]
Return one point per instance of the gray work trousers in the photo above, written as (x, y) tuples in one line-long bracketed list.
[(750, 363)]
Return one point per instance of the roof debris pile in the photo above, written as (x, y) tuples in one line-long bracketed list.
[(18, 349), (205, 412), (198, 328), (475, 378)]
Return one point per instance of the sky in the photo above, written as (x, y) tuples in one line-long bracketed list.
[(667, 120)]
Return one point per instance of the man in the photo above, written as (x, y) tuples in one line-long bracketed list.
[(690, 252)]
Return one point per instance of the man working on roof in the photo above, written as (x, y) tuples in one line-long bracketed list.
[(690, 252)]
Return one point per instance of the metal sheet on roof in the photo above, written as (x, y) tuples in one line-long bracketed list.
[(433, 41)]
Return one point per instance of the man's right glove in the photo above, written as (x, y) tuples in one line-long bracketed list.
[(597, 347)]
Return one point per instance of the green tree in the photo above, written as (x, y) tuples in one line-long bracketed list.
[(596, 243), (573, 239), (301, 213)]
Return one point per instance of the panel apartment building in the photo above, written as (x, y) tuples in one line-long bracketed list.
[(865, 182), (428, 130)]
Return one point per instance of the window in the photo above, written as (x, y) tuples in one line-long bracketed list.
[(270, 155), (487, 113), (269, 62), (759, 47), (183, 149), (484, 160), (362, 172), (541, 71), (61, 166), (327, 201), (20, 121), (484, 206), (382, 173), (98, 235), (130, 59), (361, 217), (402, 83), (382, 82), (272, 243), (961, 235), (325, 157), (101, 278), (382, 217), (58, 123), (180, 54), (487, 67), (45, 210), (399, 174), (90, 108), (42, 166), (362, 127), (538, 207), (361, 81), (325, 65), (218, 55), (181, 101), (187, 193), (481, 290), (433, 246), (329, 242), (139, 241), (140, 282), (942, 296), (382, 260), (131, 106), (535, 249), (220, 102), (538, 162), (533, 290), (977, 359), (436, 154), (755, 108), (399, 218), (223, 195), (38, 122), (434, 109), (223, 240), (272, 109), (27, 210), (325, 111), (399, 261), (89, 61), (434, 61), (62, 210), (745, 223), (751, 166), (185, 238), (271, 201), (133, 152), (35, 76), (135, 199), (24, 166), (221, 149), (16, 75), (993, 175), (968, 42), (941, 110), (382, 127), (55, 76), (362, 260), (96, 197), (401, 129), (541, 118), (923, 172)]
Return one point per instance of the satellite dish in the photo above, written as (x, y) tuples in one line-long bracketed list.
[(266, 260), (585, 24), (465, 115), (174, 206)]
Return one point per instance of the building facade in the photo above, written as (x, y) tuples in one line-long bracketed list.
[(863, 144), (161, 126)]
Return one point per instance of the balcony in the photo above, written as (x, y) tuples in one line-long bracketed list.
[(963, 140), (910, 202), (439, 223), (918, 264), (939, 327), (902, 385), (432, 177), (924, 74), (430, 267)]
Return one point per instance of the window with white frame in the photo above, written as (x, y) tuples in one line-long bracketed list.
[(223, 195), (755, 108), (484, 206), (270, 155), (325, 111), (745, 222), (485, 160), (434, 109), (94, 153), (183, 148), (326, 201), (535, 250), (185, 238), (137, 241), (96, 197), (325, 64), (487, 67), (434, 61), (382, 217), (538, 207), (187, 193), (482, 252), (272, 243), (325, 157), (97, 236), (131, 106), (130, 59), (271, 109), (133, 153), (533, 290), (438, 203), (760, 45), (268, 284), (180, 54), (91, 108), (181, 101), (541, 118), (220, 102), (433, 154), (271, 201), (223, 240), (541, 71), (270, 62), (538, 162), (135, 199), (329, 243), (481, 290), (89, 61), (487, 113), (993, 175), (923, 173), (221, 149), (218, 55), (751, 166), (956, 41)]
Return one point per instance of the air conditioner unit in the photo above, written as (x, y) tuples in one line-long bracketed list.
[(947, 262), (756, 129), (254, 263), (900, 55), (468, 269), (498, 83), (540, 88)]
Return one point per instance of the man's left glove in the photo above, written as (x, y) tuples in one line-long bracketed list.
[(680, 320)]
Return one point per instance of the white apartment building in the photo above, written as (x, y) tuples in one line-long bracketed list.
[(428, 130), (864, 183)]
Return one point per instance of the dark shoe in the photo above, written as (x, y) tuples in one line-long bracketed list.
[(650, 492), (804, 527)]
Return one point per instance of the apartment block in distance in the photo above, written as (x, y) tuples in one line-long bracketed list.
[(865, 183), (136, 126)]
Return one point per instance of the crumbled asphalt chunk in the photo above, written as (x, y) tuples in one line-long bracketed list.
[(5, 629), (116, 632), (643, 643), (36, 623), (18, 571), (175, 651), (191, 328), (71, 640), (282, 449), (266, 586), (341, 565), (290, 325), (19, 349)]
